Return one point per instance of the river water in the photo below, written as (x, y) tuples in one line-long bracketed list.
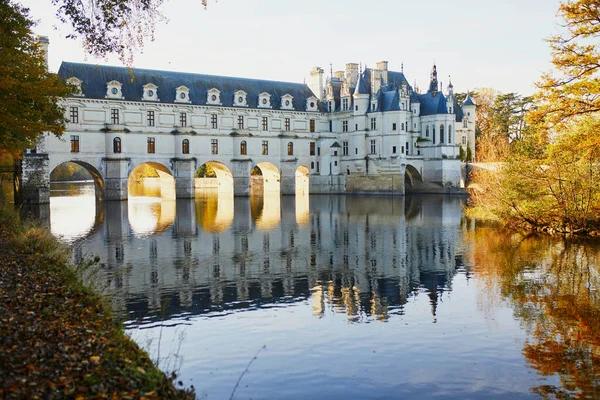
[(341, 296)]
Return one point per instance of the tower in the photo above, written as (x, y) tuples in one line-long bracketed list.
[(433, 85)]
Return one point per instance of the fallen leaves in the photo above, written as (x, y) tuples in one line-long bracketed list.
[(59, 341)]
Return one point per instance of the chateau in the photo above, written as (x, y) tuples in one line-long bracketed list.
[(357, 131)]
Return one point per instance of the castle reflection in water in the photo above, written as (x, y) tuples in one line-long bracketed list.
[(363, 256)]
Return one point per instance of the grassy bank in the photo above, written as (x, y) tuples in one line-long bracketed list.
[(58, 338)]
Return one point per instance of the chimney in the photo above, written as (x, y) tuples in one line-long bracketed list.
[(339, 75), (383, 67), (44, 43), (351, 74), (316, 82)]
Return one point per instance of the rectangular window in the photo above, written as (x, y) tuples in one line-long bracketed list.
[(74, 144), (213, 121), (114, 116), (393, 149), (74, 115), (465, 123), (373, 124), (183, 119), (373, 146), (394, 126), (265, 123), (312, 125), (344, 148), (345, 104), (265, 147), (240, 122), (344, 126), (330, 126), (317, 166), (356, 150), (287, 124), (355, 127), (318, 151), (312, 148), (214, 146), (402, 149), (335, 163), (312, 165), (464, 140), (150, 118), (407, 151), (402, 127), (151, 145)]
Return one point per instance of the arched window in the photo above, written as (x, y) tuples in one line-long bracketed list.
[(449, 134), (433, 134), (117, 145), (441, 133), (290, 149), (427, 131), (185, 146), (243, 148)]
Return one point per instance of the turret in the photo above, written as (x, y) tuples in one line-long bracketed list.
[(361, 96), (450, 98), (469, 109)]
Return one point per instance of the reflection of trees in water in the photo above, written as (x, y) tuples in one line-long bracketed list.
[(553, 287)]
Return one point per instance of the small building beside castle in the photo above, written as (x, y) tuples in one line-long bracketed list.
[(357, 131)]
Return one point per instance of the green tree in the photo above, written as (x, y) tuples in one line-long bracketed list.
[(29, 94), (461, 153), (469, 153)]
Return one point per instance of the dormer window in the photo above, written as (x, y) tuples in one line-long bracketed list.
[(182, 95), (213, 97), (239, 99), (264, 100), (73, 81), (287, 102), (113, 90), (374, 106), (311, 104), (150, 92)]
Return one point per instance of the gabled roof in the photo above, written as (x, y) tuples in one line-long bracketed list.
[(95, 77)]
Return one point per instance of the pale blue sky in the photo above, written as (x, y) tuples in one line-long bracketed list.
[(481, 43)]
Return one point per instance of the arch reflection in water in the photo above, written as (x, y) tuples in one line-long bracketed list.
[(74, 211), (357, 256), (214, 210), (150, 215), (266, 210)]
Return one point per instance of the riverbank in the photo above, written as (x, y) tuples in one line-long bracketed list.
[(58, 337)]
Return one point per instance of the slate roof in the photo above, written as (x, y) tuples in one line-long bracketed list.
[(432, 104), (95, 77), (361, 86), (468, 101)]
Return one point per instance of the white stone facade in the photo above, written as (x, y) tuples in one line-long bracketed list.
[(178, 122)]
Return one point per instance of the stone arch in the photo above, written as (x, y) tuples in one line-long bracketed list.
[(151, 179), (265, 179), (442, 136), (411, 177), (214, 175), (302, 182), (93, 172)]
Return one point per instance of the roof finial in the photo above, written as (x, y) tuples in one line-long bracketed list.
[(402, 67), (331, 69)]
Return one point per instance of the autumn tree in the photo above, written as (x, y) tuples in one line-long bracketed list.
[(573, 89), (112, 26), (29, 94)]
